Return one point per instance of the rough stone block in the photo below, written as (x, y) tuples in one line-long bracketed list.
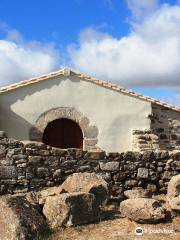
[(70, 209), (143, 210), (35, 159), (143, 173), (42, 172), (89, 183), (96, 155), (109, 166), (20, 220), (7, 172)]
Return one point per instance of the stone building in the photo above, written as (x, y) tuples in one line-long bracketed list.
[(67, 109)]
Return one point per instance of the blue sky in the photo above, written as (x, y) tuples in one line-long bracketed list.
[(133, 42)]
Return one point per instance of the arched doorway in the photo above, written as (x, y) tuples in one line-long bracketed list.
[(63, 133)]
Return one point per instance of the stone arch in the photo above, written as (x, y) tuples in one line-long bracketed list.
[(90, 133)]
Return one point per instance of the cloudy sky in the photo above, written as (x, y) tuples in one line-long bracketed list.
[(135, 43)]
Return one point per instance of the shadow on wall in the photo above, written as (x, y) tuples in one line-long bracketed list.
[(8, 118), (165, 123), (22, 129)]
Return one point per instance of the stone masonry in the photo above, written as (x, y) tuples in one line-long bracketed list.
[(165, 123), (164, 132), (26, 166), (145, 140)]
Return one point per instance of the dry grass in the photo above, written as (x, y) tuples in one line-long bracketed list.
[(113, 227)]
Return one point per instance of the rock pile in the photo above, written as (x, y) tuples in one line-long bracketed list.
[(143, 209), (77, 201)]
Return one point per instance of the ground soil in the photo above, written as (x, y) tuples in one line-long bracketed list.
[(114, 227)]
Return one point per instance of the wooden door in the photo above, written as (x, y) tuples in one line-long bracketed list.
[(63, 133)]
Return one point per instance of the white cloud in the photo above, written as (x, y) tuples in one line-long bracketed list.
[(142, 8), (148, 56), (20, 59)]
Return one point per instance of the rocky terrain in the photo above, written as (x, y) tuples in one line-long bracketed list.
[(83, 208)]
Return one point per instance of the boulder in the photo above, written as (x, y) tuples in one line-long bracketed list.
[(52, 191), (20, 220), (70, 209), (137, 193), (89, 183), (175, 204), (173, 189), (142, 210)]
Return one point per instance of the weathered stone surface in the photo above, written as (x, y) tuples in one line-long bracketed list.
[(35, 159), (142, 173), (89, 183), (19, 220), (175, 203), (143, 210), (39, 165), (57, 174), (96, 155), (7, 172), (131, 183), (151, 188), (109, 166), (119, 176), (173, 189), (70, 209), (42, 172), (137, 193), (52, 191), (2, 151)]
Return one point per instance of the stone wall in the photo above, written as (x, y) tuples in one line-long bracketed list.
[(145, 140), (164, 133), (28, 166), (165, 123)]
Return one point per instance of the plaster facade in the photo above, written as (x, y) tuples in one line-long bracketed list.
[(115, 115)]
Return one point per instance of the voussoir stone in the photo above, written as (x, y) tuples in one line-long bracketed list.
[(143, 210), (19, 220), (173, 189), (89, 183), (69, 209)]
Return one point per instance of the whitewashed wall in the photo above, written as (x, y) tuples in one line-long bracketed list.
[(114, 114)]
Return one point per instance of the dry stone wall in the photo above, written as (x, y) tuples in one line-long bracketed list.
[(164, 133), (26, 166), (165, 123), (145, 140)]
